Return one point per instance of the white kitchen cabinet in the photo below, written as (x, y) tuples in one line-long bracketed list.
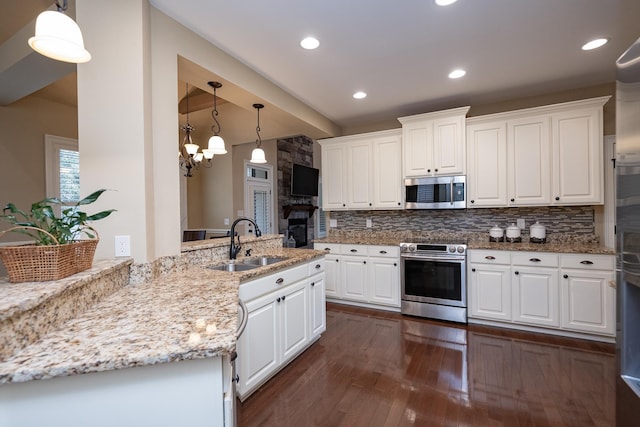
[(285, 315), (367, 275), (317, 306), (553, 155), (364, 171), (529, 164), (387, 176), (577, 157), (334, 177), (487, 164), (489, 287), (359, 174), (354, 277), (433, 144), (566, 294), (588, 293), (384, 281)]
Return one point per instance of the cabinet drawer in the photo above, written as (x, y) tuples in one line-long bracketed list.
[(354, 250), (489, 257), (538, 259), (316, 266), (384, 251), (587, 261), (330, 248), (255, 288)]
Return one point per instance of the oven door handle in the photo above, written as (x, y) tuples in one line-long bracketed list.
[(448, 258), (451, 192)]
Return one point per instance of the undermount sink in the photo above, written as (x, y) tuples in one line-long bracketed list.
[(233, 266), (263, 260), (246, 263)]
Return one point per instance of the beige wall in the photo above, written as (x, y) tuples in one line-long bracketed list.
[(23, 126)]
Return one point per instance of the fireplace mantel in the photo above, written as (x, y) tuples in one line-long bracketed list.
[(309, 208)]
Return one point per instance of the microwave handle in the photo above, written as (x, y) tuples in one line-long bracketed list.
[(451, 192)]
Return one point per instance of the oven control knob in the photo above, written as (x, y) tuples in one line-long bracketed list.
[(460, 249), (412, 247), (403, 247), (452, 249)]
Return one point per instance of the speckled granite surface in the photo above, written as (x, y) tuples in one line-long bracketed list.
[(186, 314), (558, 243)]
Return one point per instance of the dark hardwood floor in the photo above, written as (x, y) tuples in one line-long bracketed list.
[(373, 368)]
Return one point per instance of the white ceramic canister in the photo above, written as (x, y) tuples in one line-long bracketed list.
[(513, 234), (538, 233), (496, 234)]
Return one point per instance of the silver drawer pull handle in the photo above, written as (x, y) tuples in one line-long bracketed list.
[(612, 284), (383, 252), (354, 250), (534, 259), (586, 262), (489, 257), (318, 266), (279, 281)]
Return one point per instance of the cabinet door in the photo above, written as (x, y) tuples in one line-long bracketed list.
[(294, 320), (577, 157), (490, 291), (359, 175), (387, 179), (588, 301), (317, 306), (354, 276), (417, 146), (535, 295), (384, 281), (449, 157), (332, 276), (487, 164), (529, 164), (334, 177), (258, 345)]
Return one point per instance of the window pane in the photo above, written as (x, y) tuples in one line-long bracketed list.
[(69, 176), (261, 209)]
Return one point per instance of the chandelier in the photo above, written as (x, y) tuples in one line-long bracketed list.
[(189, 156)]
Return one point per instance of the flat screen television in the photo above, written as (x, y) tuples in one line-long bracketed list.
[(304, 181)]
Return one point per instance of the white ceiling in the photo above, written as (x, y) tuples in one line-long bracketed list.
[(400, 52)]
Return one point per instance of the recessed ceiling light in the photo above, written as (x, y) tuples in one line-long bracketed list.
[(445, 2), (359, 95), (594, 44), (456, 74), (309, 43)]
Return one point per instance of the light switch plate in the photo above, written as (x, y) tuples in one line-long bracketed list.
[(333, 223), (123, 245), (520, 223), (226, 221), (369, 224)]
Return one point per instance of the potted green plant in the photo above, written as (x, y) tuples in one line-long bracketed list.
[(59, 249)]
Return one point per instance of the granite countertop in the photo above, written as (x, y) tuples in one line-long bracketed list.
[(560, 244), (183, 315)]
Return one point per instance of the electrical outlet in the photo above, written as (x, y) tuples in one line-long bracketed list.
[(123, 246), (333, 223), (369, 223), (226, 221), (520, 223)]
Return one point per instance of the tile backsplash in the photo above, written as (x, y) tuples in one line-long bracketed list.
[(561, 219)]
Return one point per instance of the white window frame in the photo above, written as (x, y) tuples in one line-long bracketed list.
[(247, 194), (52, 146)]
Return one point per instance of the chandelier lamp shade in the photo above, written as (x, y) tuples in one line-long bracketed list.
[(257, 155), (58, 37), (190, 157), (216, 143)]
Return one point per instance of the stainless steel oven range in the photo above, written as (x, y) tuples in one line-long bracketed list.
[(433, 277)]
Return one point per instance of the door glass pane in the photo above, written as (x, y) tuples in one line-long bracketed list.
[(69, 162), (261, 209)]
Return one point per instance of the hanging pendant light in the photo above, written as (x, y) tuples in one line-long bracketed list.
[(189, 156), (216, 143), (257, 155), (58, 37)]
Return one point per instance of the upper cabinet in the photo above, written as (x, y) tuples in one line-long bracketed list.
[(550, 155), (362, 171), (434, 143)]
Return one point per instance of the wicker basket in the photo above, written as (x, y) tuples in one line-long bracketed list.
[(33, 263)]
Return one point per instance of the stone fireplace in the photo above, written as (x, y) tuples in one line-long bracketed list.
[(298, 228)]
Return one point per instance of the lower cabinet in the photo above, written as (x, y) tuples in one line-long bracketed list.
[(362, 274), (286, 317), (574, 293)]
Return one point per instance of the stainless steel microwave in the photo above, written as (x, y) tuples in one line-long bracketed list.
[(438, 192)]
